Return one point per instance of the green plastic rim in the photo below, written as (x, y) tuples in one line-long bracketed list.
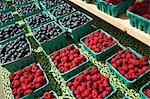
[(122, 78), (69, 71), (107, 97), (143, 96)]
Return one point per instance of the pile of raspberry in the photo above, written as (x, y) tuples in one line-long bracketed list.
[(129, 65), (27, 80), (141, 8), (67, 58), (90, 85), (98, 41)]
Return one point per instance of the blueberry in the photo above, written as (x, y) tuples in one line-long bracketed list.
[(20, 2), (5, 17), (50, 3)]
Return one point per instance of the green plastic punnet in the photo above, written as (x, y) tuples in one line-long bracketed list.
[(11, 38), (114, 10), (39, 91), (5, 9), (75, 70), (142, 95), (139, 22), (56, 18), (128, 83), (31, 13), (53, 44), (41, 24), (70, 79), (25, 2), (18, 64), (79, 31), (51, 92), (103, 53)]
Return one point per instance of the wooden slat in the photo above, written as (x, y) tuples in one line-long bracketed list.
[(122, 23)]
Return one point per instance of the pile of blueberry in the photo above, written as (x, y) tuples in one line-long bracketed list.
[(3, 6), (50, 3), (5, 17), (33, 21), (10, 31), (24, 10), (61, 10), (46, 32), (20, 2), (75, 20), (13, 50)]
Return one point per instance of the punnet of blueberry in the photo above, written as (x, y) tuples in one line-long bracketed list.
[(3, 6), (24, 10), (75, 20), (10, 31), (61, 10), (14, 50), (5, 17), (50, 3), (47, 32), (40, 18)]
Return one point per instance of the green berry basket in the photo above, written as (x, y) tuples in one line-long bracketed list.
[(79, 31), (75, 70), (18, 64), (56, 18), (139, 22), (142, 95), (103, 53), (39, 91), (52, 92), (9, 39), (53, 44), (128, 83), (8, 22), (38, 25), (114, 10), (38, 9), (49, 6), (72, 78)]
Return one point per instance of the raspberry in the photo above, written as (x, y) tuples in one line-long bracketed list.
[(16, 83), (47, 95), (38, 85), (109, 89), (16, 77), (105, 93), (95, 85), (95, 77), (143, 59), (19, 73), (94, 70), (29, 91), (11, 76), (76, 92), (34, 69), (38, 73), (94, 93), (76, 84), (82, 88), (40, 79), (69, 84), (86, 92), (88, 78), (14, 91), (73, 88), (89, 84), (19, 91), (31, 85), (101, 88), (25, 87), (17, 97)]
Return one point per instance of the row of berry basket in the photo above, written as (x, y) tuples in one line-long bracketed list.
[(117, 9)]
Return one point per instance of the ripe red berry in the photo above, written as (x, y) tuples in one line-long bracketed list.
[(47, 95)]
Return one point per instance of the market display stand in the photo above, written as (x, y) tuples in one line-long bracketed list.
[(122, 22)]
